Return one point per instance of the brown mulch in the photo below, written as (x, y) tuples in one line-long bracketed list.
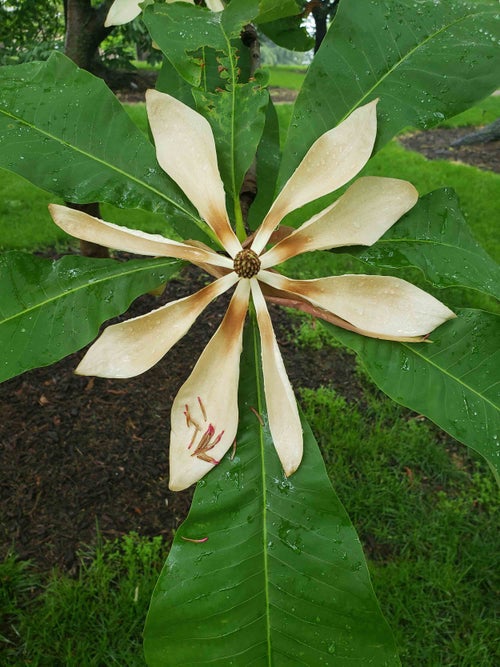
[(83, 453), (436, 145), (79, 454)]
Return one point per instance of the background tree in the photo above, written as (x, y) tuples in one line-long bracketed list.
[(30, 30)]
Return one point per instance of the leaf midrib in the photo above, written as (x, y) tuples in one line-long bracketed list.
[(102, 162), (70, 292), (260, 407), (452, 377), (403, 59)]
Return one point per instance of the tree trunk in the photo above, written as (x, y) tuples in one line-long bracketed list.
[(248, 191), (84, 32), (320, 14)]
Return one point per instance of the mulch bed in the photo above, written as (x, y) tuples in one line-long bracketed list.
[(79, 453)]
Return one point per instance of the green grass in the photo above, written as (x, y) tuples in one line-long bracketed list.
[(94, 619), (481, 114), (286, 76)]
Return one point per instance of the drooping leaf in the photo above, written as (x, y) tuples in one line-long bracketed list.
[(454, 380), (65, 131), (435, 238), (288, 33), (425, 60), (50, 309), (169, 81), (281, 579)]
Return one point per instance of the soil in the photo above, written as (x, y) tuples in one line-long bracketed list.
[(80, 453)]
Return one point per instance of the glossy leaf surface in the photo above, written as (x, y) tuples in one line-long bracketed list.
[(435, 238), (182, 31), (50, 309), (455, 380), (281, 579), (425, 60), (64, 130)]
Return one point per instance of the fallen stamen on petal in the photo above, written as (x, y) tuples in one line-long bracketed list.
[(257, 415), (202, 407), (193, 439), (233, 451), (191, 539), (208, 459), (188, 416)]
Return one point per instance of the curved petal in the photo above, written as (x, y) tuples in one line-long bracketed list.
[(129, 348), (122, 11), (282, 412), (185, 149), (333, 159), (360, 217), (86, 227), (205, 411), (383, 306)]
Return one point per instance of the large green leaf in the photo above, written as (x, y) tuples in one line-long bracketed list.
[(435, 238), (65, 131), (454, 381), (425, 60), (281, 579), (270, 10), (50, 309)]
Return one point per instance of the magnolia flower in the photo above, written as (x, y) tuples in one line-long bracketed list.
[(205, 411), (123, 11)]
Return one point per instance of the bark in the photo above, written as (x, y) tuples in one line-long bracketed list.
[(248, 190), (84, 32)]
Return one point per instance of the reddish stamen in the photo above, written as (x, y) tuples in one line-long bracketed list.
[(187, 415), (203, 411)]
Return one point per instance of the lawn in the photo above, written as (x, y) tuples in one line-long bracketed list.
[(424, 505)]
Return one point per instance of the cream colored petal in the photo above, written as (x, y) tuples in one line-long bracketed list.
[(129, 348), (185, 149), (206, 408), (122, 11), (360, 217), (215, 5), (333, 159), (282, 412), (86, 227), (383, 306)]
